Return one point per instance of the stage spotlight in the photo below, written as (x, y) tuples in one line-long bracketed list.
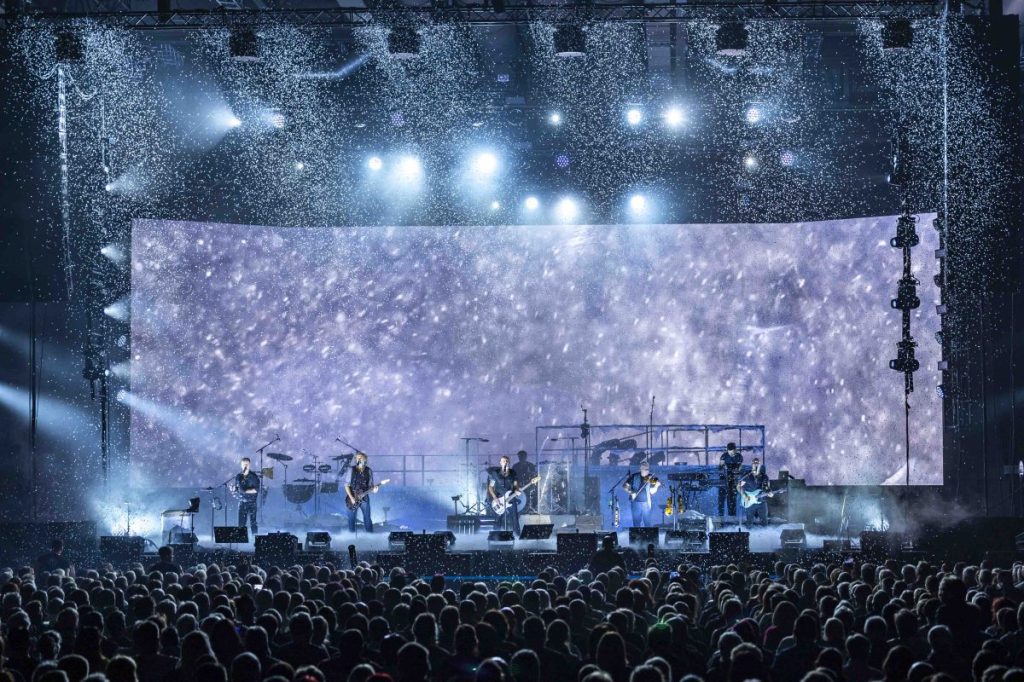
[(409, 168), (404, 42), (634, 116), (750, 162), (637, 203), (674, 117), (109, 187), (233, 121), (566, 210), (275, 119), (731, 39), (787, 159), (300, 166), (374, 163), (398, 119), (243, 45), (555, 118), (69, 47), (897, 33), (753, 115), (117, 310), (562, 160), (570, 41), (485, 165), (495, 205), (532, 203), (114, 253)]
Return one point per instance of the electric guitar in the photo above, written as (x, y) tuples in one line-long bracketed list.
[(361, 496), (501, 504), (748, 498)]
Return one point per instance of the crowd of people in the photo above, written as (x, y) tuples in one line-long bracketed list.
[(852, 621)]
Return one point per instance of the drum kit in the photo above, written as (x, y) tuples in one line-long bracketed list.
[(315, 481)]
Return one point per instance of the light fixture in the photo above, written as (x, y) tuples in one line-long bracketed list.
[(637, 203), (731, 39), (555, 118), (532, 203), (570, 41), (750, 162), (495, 205), (753, 114), (634, 116), (673, 117), (484, 165), (243, 45), (787, 159), (374, 163), (403, 42), (566, 210)]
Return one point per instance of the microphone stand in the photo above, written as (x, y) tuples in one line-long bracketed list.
[(613, 491), (260, 451)]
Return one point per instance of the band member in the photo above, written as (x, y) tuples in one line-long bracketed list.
[(525, 470), (360, 483), (729, 466), (247, 483), (641, 488), (503, 480), (756, 482)]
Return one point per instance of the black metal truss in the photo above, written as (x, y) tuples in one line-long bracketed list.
[(510, 14)]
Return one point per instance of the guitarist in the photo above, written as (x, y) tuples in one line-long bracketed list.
[(360, 482), (641, 488), (501, 481), (758, 483)]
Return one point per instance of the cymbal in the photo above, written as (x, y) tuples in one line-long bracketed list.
[(280, 456)]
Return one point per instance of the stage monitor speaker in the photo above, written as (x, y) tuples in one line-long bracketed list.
[(121, 550), (576, 545), (876, 545), (500, 537), (727, 546), (397, 538), (230, 535), (793, 538), (643, 536), (276, 549), (538, 531), (686, 538), (318, 541)]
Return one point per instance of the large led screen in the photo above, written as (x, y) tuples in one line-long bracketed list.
[(402, 340)]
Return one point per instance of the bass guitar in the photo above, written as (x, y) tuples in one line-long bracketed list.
[(362, 496), (501, 504)]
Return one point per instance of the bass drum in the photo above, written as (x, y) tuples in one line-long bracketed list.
[(298, 493)]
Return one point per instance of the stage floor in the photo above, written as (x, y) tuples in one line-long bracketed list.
[(762, 539)]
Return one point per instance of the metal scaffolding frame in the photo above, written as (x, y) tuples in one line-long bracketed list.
[(484, 14)]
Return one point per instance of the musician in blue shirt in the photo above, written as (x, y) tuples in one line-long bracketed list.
[(756, 483), (503, 480), (641, 487), (247, 486)]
